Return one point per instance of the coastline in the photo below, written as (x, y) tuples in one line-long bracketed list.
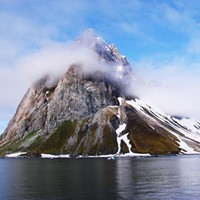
[(108, 156)]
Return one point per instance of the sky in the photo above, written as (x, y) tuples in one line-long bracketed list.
[(160, 39)]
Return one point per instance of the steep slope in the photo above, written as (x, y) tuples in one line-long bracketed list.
[(89, 113), (75, 98), (164, 127)]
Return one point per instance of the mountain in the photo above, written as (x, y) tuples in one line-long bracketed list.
[(90, 113)]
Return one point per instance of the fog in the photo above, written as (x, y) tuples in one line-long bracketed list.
[(52, 60), (170, 85)]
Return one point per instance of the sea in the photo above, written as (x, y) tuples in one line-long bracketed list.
[(146, 178)]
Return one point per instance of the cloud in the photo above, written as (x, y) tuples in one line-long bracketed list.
[(53, 60), (170, 84), (162, 43), (32, 32)]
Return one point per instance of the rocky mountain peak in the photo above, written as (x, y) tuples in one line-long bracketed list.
[(109, 53), (88, 38)]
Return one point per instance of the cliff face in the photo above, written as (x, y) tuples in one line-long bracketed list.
[(31, 113), (89, 114), (76, 97)]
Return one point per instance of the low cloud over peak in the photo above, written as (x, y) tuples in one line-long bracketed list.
[(53, 60), (171, 85), (33, 30)]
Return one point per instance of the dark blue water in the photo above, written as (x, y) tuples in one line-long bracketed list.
[(124, 178)]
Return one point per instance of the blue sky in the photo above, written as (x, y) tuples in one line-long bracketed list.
[(160, 39)]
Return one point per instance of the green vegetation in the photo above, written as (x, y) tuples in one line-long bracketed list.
[(56, 142), (91, 146), (146, 140), (9, 147), (99, 138), (28, 137), (78, 147), (35, 144), (105, 145), (17, 144), (124, 148), (109, 140)]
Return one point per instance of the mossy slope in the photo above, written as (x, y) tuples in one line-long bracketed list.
[(148, 137)]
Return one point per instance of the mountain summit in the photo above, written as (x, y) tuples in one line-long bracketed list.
[(90, 113), (107, 52)]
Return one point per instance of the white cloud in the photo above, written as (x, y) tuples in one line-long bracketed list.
[(33, 37), (29, 32), (53, 59), (170, 85)]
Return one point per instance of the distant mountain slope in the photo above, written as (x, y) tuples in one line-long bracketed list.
[(89, 113)]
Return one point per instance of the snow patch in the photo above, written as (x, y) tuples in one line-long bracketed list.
[(190, 124), (188, 128), (120, 129), (120, 99), (14, 155), (151, 127), (46, 95), (54, 156), (17, 154), (51, 156), (120, 155), (186, 148)]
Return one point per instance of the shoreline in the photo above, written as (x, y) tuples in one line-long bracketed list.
[(109, 156)]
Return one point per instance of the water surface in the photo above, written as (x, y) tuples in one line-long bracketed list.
[(153, 178)]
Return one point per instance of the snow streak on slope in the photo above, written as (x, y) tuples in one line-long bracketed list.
[(186, 131), (189, 124), (123, 137), (119, 131)]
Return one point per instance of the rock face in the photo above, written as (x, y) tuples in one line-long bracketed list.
[(31, 155), (90, 114)]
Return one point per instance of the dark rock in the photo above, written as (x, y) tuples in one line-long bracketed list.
[(31, 154)]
